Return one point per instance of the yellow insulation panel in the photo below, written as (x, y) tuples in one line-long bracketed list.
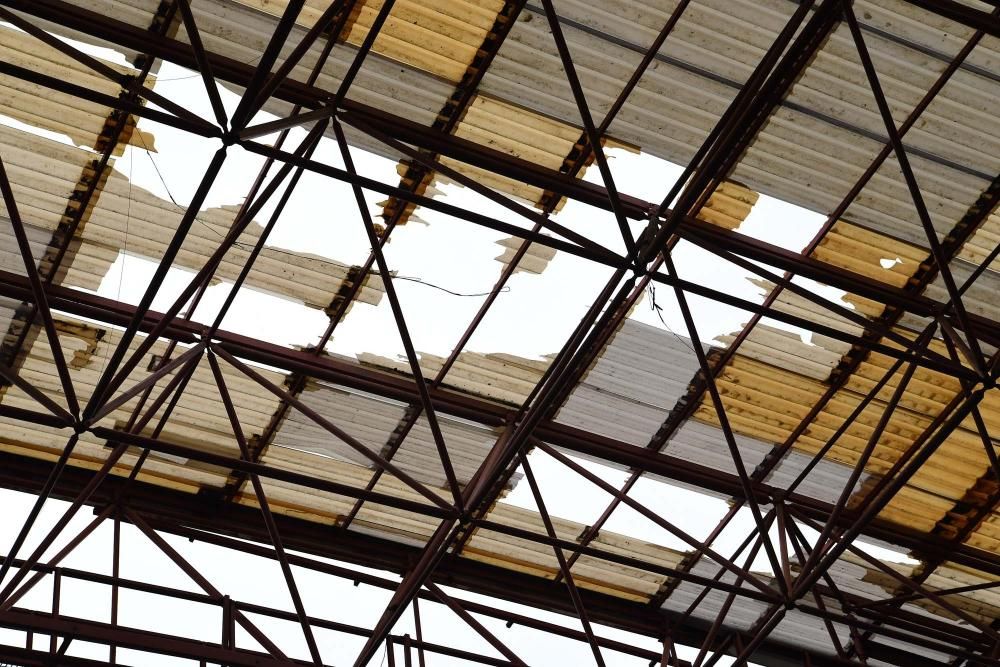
[(440, 37), (983, 242), (767, 402), (198, 420), (872, 255), (987, 534), (869, 253), (729, 205)]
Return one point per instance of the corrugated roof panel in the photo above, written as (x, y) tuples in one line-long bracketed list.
[(744, 611), (982, 242), (325, 507), (984, 603), (501, 377), (8, 308), (130, 218), (80, 120), (987, 534), (634, 384), (242, 33), (199, 418), (373, 421), (762, 401), (592, 573), (42, 443), (796, 158), (855, 577), (793, 304), (442, 38), (767, 403), (10, 256), (43, 174), (485, 545), (979, 299), (955, 466), (786, 349), (866, 253), (729, 205), (134, 12), (467, 445), (804, 630), (706, 445), (915, 508), (366, 418), (534, 260)]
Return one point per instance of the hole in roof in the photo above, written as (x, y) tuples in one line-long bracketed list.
[(16, 124), (568, 495), (288, 323), (782, 224)]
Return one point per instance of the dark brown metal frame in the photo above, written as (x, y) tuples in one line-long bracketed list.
[(799, 566)]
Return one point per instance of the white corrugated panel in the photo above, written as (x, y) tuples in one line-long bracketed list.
[(979, 299), (806, 631), (743, 613), (7, 310), (633, 386), (82, 121), (373, 421), (705, 445), (10, 255)]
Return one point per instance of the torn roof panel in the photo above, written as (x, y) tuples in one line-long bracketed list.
[(134, 220), (589, 572), (375, 422), (635, 383), (84, 122)]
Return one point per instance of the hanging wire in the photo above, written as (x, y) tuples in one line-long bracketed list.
[(658, 309), (128, 220), (197, 75)]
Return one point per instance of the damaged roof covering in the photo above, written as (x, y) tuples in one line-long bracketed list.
[(867, 416)]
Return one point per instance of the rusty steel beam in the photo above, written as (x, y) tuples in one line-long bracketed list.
[(181, 513), (778, 70)]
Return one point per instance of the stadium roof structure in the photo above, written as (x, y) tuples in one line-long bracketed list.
[(881, 115)]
